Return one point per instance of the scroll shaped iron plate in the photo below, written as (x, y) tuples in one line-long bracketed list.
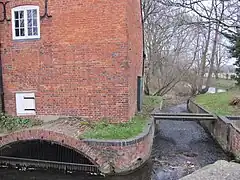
[(4, 4), (46, 11)]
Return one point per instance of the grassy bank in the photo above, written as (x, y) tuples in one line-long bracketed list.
[(106, 130), (223, 83), (219, 103)]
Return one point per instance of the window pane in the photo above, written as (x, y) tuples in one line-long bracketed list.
[(22, 32), (29, 23), (34, 22), (29, 14), (21, 14), (34, 11), (35, 31), (16, 23), (30, 32), (16, 32), (22, 23), (26, 23), (16, 15)]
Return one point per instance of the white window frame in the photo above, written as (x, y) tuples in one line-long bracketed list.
[(24, 9)]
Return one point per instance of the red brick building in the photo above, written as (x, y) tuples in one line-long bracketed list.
[(82, 58)]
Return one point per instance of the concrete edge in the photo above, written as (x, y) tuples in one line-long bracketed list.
[(225, 119), (230, 127)]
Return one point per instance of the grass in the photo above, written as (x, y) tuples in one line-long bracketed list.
[(223, 83), (9, 123), (106, 130), (219, 103), (150, 103)]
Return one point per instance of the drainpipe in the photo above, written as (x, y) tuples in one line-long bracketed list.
[(1, 82), (140, 80), (144, 55)]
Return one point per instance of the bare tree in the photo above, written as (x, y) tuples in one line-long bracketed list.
[(221, 59), (219, 8), (182, 39), (217, 16), (201, 9), (167, 45)]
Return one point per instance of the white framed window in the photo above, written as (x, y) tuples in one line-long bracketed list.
[(25, 104), (25, 22)]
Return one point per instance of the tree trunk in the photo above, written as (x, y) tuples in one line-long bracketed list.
[(146, 85), (212, 56), (204, 59), (216, 74)]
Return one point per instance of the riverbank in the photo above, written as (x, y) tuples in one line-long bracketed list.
[(222, 83), (171, 100), (219, 103)]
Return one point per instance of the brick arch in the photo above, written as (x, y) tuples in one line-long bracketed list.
[(77, 145)]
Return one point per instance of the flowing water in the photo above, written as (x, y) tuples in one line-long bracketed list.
[(179, 149)]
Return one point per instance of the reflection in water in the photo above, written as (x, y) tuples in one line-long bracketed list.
[(10, 174)]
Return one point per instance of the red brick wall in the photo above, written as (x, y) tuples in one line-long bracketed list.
[(85, 63), (135, 50)]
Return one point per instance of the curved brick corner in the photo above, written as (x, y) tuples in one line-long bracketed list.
[(125, 156), (58, 138)]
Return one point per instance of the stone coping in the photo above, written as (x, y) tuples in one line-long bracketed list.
[(122, 142)]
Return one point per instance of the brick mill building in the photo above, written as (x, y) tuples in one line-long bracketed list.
[(71, 58)]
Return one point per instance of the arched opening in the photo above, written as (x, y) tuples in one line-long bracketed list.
[(43, 150), (45, 154)]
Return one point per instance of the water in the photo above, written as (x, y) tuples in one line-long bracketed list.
[(7, 174), (213, 90), (179, 149)]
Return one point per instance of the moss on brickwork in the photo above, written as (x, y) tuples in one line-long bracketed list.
[(106, 130), (10, 123)]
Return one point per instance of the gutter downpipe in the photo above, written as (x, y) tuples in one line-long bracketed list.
[(143, 39), (1, 82)]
